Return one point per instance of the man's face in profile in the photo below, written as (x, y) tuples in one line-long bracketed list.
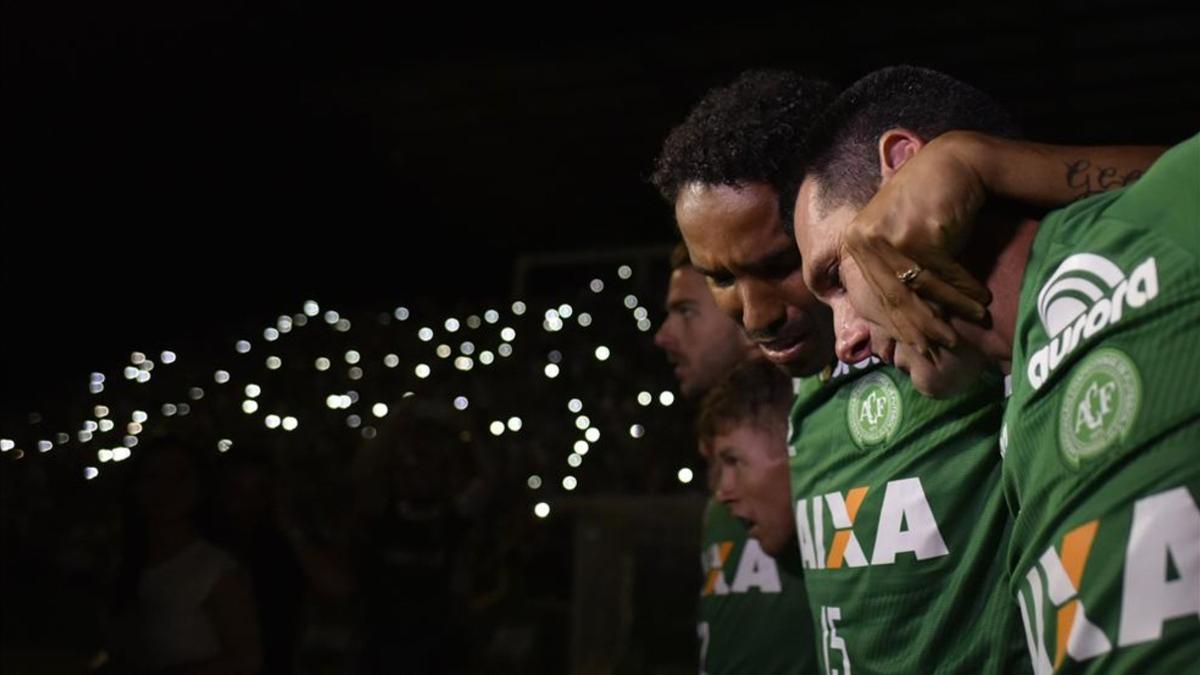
[(700, 341), (753, 480), (737, 241), (859, 318)]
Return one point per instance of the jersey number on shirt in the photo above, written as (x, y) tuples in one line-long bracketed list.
[(832, 642)]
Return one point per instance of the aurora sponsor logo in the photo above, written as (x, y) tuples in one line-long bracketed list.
[(1085, 295)]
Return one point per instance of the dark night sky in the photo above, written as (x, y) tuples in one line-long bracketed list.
[(170, 170)]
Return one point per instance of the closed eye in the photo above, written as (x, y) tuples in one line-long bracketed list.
[(720, 279), (827, 279), (685, 309), (833, 277)]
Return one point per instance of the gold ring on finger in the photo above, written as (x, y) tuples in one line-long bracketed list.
[(909, 275)]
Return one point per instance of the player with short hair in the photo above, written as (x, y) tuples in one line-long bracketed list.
[(746, 600), (756, 618), (700, 341), (1093, 312), (896, 497)]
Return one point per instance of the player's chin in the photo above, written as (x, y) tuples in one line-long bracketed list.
[(935, 383), (934, 380), (773, 543), (693, 387)]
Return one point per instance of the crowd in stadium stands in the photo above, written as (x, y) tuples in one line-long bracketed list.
[(399, 529)]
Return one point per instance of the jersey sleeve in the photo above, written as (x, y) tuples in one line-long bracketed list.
[(1168, 196)]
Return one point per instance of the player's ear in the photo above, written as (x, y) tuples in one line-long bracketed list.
[(897, 146)]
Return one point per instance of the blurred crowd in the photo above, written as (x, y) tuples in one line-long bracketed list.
[(406, 533)]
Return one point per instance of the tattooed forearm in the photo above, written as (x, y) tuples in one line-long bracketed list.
[(1089, 180)]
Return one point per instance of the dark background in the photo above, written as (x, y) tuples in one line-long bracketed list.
[(174, 168)]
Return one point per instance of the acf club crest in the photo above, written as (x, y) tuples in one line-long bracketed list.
[(1101, 403), (874, 413)]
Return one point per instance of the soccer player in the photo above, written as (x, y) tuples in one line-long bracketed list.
[(700, 341), (751, 608), (896, 498), (1093, 313), (753, 596)]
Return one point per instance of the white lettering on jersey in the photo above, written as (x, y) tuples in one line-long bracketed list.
[(843, 368), (906, 525), (1073, 307), (904, 503), (1164, 535), (756, 570), (1166, 528), (804, 535)]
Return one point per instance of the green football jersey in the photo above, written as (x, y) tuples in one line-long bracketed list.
[(902, 525), (1102, 433), (754, 616)]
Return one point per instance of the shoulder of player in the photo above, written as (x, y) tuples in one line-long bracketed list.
[(1164, 202)]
